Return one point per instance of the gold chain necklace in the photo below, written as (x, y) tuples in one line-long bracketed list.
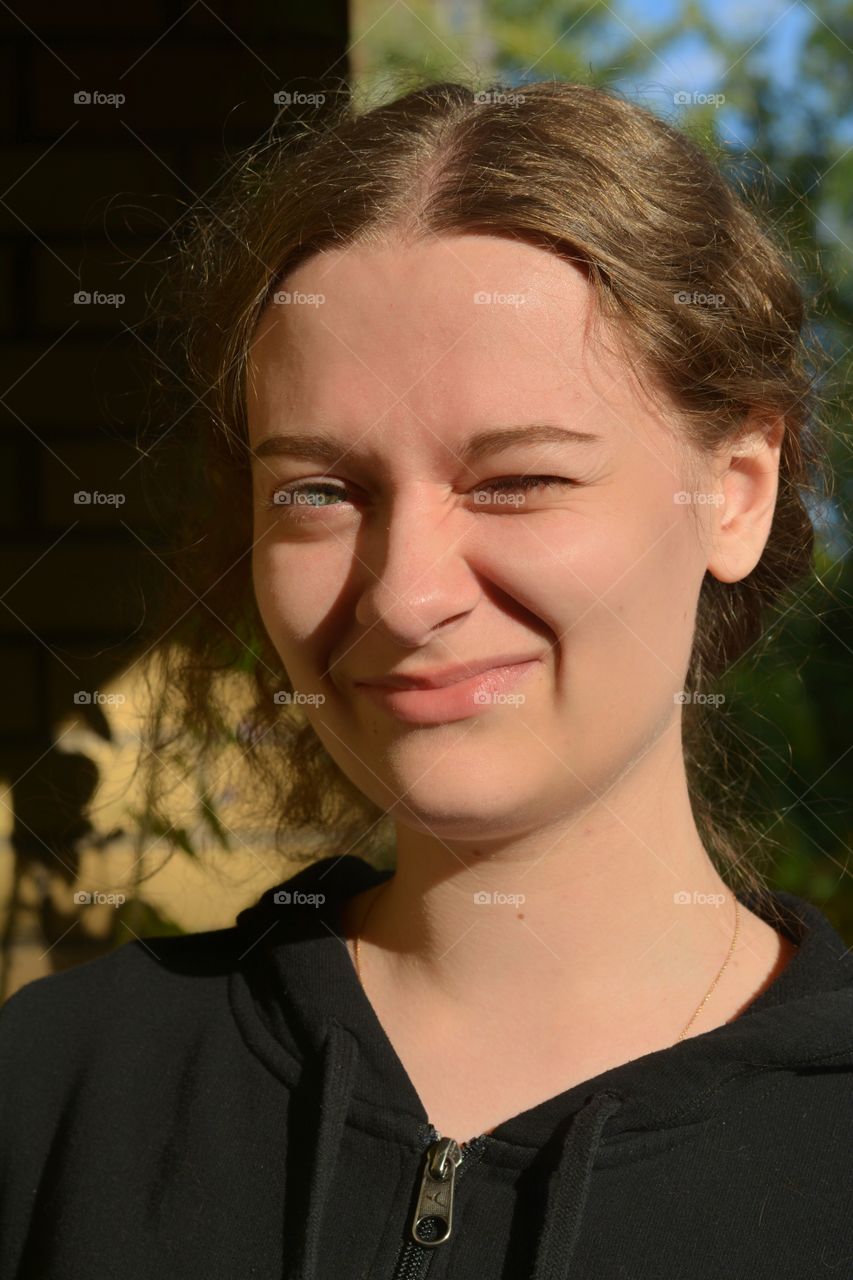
[(357, 951)]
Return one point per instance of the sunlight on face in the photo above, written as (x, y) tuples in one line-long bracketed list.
[(400, 547)]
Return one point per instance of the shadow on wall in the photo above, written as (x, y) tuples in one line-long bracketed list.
[(73, 892)]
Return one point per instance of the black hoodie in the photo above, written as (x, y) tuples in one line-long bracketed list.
[(226, 1105)]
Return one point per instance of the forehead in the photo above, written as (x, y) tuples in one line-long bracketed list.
[(438, 336)]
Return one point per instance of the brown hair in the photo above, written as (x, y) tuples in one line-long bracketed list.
[(649, 212)]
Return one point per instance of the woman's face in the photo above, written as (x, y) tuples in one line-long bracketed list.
[(404, 549)]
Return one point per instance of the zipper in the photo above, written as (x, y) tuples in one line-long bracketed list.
[(445, 1161)]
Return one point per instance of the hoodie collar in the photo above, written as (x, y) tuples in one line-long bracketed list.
[(297, 999), (296, 978)]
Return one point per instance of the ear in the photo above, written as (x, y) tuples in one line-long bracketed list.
[(747, 482)]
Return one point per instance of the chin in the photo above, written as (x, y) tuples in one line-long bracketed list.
[(463, 810)]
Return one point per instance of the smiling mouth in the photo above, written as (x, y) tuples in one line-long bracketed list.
[(470, 695), (442, 678)]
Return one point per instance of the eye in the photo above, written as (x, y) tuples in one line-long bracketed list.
[(302, 497), (511, 490)]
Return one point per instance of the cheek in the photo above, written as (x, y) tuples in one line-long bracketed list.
[(630, 610), (295, 589), (616, 588)]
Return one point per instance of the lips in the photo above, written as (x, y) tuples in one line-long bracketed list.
[(472, 695), (440, 678)]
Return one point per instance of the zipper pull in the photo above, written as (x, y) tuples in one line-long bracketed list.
[(434, 1212)]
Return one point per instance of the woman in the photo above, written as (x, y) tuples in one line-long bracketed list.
[(504, 401)]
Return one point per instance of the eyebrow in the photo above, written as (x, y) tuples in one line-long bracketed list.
[(325, 447)]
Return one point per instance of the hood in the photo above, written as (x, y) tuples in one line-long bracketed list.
[(299, 1005)]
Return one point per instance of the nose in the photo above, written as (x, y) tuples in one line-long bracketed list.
[(415, 573)]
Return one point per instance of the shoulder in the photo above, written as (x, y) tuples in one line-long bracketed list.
[(67, 1017), (94, 1064)]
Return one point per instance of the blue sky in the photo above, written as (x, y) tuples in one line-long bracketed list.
[(770, 33)]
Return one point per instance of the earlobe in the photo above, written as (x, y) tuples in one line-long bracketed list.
[(748, 484)]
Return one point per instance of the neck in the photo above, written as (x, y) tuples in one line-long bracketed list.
[(582, 916)]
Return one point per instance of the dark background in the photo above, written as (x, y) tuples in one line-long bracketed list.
[(89, 192)]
